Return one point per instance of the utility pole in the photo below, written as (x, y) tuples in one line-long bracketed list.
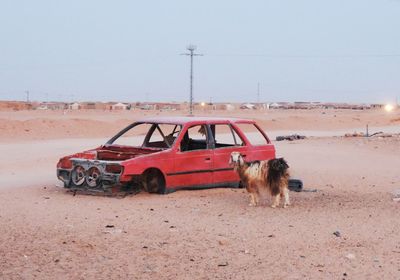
[(258, 93), (191, 49), (27, 95)]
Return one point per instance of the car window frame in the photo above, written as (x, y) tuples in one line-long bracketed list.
[(209, 142), (244, 135), (233, 130)]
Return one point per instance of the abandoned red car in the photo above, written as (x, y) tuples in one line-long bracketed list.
[(161, 155)]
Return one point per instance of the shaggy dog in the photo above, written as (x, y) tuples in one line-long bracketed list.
[(258, 175)]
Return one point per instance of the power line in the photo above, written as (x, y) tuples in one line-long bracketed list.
[(191, 49), (307, 56)]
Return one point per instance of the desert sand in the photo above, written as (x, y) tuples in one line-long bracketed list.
[(47, 233)]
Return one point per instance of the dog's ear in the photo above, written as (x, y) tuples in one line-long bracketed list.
[(283, 163)]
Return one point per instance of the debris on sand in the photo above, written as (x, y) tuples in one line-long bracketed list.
[(290, 137), (337, 233), (112, 229), (379, 134), (350, 256), (295, 185), (310, 190), (355, 134), (396, 195), (223, 241), (223, 264)]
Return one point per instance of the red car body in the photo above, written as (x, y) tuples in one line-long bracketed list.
[(191, 156)]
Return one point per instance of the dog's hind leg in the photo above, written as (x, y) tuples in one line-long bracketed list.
[(287, 200), (257, 197), (253, 200)]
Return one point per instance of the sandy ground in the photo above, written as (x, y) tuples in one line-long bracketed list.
[(47, 233)]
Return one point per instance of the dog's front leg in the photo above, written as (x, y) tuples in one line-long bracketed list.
[(276, 200), (252, 200)]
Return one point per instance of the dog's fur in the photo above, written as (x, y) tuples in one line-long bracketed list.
[(272, 175)]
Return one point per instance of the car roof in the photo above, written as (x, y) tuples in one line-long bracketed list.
[(194, 120)]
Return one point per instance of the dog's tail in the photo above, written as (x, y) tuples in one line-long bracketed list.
[(277, 168)]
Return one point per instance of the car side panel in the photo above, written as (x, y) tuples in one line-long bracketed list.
[(192, 168)]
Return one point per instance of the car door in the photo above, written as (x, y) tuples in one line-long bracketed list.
[(226, 141), (193, 159)]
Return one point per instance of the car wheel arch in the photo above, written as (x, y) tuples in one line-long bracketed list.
[(154, 180)]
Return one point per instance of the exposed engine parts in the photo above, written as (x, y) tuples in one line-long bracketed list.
[(91, 175), (78, 175)]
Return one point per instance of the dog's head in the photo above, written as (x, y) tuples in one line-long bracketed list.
[(236, 159), (278, 165)]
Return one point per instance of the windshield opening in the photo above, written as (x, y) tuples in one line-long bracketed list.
[(147, 135)]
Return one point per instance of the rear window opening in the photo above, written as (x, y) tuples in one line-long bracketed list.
[(225, 136), (253, 134)]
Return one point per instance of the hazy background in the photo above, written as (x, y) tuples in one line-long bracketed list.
[(300, 50)]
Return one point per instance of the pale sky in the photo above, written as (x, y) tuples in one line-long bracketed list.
[(299, 50)]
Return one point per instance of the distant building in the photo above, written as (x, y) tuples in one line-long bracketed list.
[(52, 106), (88, 105), (169, 106), (274, 105), (146, 107), (377, 106), (306, 105), (229, 107), (248, 106), (120, 106), (75, 106)]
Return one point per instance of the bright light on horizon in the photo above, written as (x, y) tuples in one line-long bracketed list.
[(389, 107)]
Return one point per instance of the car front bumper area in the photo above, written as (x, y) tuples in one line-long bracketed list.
[(90, 175)]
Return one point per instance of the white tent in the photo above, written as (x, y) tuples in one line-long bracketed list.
[(119, 106), (75, 106)]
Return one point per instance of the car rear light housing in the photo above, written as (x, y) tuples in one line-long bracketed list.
[(114, 168)]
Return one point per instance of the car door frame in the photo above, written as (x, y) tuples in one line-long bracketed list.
[(198, 176)]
